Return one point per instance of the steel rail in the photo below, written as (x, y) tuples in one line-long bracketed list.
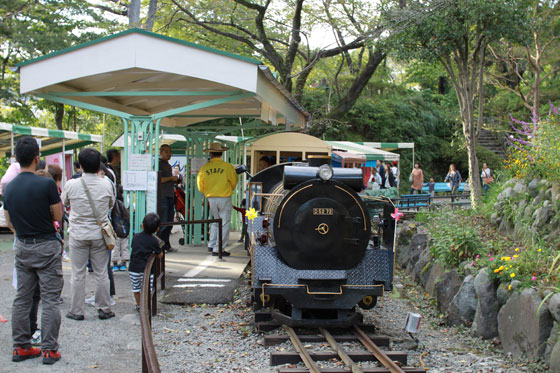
[(305, 357), (377, 352), (340, 351), (150, 362)]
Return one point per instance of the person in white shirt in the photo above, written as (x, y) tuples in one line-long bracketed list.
[(395, 172), (375, 177), (86, 238), (486, 177)]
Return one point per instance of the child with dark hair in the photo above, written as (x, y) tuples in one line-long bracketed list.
[(432, 187), (143, 245)]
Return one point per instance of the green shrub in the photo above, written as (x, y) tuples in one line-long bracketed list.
[(453, 239)]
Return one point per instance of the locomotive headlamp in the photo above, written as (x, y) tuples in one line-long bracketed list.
[(325, 172)]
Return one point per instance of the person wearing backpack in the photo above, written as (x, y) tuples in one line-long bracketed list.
[(119, 216), (121, 225)]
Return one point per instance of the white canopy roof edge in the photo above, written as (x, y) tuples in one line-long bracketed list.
[(139, 73)]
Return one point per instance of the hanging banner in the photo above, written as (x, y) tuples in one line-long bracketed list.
[(151, 192), (135, 180)]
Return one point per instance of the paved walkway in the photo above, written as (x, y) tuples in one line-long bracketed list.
[(114, 345)]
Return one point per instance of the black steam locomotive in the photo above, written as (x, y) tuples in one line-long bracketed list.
[(313, 259)]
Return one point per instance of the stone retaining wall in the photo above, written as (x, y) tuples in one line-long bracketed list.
[(489, 310)]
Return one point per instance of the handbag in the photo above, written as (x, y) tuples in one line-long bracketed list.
[(488, 180), (120, 218), (107, 231), (410, 178)]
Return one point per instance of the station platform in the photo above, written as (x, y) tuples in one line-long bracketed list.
[(193, 275)]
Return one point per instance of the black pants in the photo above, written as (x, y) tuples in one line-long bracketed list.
[(111, 279), (166, 213)]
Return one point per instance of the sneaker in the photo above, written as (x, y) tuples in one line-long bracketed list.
[(112, 301), (171, 250), (70, 315), (89, 269), (106, 315), (36, 338), (224, 253), (115, 268), (122, 268), (91, 300), (50, 357), (240, 240), (21, 354)]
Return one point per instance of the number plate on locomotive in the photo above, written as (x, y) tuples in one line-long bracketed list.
[(323, 211)]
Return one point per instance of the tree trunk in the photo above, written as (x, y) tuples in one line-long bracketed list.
[(134, 13), (464, 90), (346, 103), (300, 82), (151, 15), (58, 115)]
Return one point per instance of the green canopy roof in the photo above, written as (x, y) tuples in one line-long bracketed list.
[(370, 153), (51, 139)]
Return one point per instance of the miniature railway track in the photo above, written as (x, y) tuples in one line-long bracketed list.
[(390, 361)]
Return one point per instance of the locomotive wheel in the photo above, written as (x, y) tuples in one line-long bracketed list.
[(368, 302)]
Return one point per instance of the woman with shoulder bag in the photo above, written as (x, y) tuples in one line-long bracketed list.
[(454, 178), (486, 176)]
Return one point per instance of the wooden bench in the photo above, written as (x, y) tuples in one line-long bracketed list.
[(414, 201)]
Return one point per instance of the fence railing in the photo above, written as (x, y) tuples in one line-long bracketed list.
[(148, 307), (148, 298)]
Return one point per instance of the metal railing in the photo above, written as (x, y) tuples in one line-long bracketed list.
[(148, 298), (148, 308), (444, 200)]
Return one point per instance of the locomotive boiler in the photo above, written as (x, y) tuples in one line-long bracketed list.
[(313, 259)]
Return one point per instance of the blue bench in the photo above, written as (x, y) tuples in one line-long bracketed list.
[(442, 188), (414, 201)]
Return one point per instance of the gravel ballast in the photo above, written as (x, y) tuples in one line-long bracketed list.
[(220, 338)]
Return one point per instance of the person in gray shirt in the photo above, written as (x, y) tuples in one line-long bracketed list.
[(86, 237)]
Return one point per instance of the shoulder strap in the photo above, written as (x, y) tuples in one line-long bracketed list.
[(90, 200)]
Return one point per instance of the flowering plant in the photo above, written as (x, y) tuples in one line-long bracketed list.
[(534, 148)]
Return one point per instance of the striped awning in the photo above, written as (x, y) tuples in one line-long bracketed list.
[(51, 139), (388, 145), (368, 152)]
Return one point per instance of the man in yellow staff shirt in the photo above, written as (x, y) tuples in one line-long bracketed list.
[(217, 180)]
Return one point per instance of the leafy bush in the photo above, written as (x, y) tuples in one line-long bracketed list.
[(453, 238), (391, 193)]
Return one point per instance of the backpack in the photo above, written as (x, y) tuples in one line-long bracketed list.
[(120, 218)]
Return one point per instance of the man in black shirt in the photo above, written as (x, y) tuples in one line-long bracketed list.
[(32, 204), (166, 194)]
